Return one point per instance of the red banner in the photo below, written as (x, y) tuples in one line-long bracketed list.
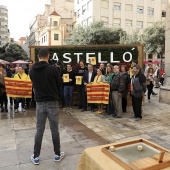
[(18, 88), (98, 93)]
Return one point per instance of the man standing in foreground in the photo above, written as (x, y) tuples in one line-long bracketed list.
[(46, 82)]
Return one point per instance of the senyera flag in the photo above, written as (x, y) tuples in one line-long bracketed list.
[(98, 93), (18, 88)]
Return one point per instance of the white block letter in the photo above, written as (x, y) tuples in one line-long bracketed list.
[(112, 60), (66, 57), (100, 58), (78, 56), (129, 58)]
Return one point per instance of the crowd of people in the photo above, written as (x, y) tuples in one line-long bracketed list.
[(118, 76), (49, 86), (121, 85)]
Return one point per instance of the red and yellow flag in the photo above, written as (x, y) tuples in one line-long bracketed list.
[(18, 88), (98, 93)]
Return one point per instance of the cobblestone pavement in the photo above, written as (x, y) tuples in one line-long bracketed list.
[(155, 125), (78, 130), (17, 139)]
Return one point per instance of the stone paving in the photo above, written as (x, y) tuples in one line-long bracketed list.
[(155, 125), (78, 130), (17, 139)]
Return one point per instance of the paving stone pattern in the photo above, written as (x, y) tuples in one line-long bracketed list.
[(17, 139), (78, 130), (155, 125)]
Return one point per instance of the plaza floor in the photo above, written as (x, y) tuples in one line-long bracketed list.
[(78, 130), (17, 139), (154, 126)]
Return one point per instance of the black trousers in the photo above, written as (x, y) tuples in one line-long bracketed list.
[(124, 104), (92, 105), (80, 89), (3, 100), (150, 89), (137, 106), (30, 100), (162, 81)]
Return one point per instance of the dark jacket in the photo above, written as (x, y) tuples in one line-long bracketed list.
[(71, 76), (127, 82), (46, 81), (86, 76), (118, 83), (2, 86), (140, 87)]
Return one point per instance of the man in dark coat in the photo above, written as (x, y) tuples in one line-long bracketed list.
[(138, 88)]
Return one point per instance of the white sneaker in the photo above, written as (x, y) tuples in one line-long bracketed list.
[(59, 158), (16, 110)]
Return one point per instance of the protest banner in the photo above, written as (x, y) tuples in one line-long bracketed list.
[(65, 78), (79, 80), (93, 60), (18, 88), (98, 93)]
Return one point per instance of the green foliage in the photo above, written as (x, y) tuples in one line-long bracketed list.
[(96, 33), (105, 52), (134, 38), (12, 52), (154, 38)]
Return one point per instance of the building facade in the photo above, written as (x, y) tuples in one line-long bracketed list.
[(129, 15), (4, 31), (54, 25), (56, 30), (164, 93)]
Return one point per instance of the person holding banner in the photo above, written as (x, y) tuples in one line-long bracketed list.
[(88, 77), (117, 88), (79, 82), (99, 78), (21, 75), (68, 82)]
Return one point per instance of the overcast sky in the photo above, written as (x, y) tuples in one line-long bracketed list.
[(20, 15)]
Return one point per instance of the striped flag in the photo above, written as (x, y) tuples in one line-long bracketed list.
[(98, 93), (18, 88)]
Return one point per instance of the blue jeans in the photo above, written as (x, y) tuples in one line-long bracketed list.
[(43, 110), (18, 100), (68, 91)]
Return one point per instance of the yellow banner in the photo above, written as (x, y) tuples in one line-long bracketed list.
[(65, 78), (98, 93), (93, 60), (79, 80), (18, 88)]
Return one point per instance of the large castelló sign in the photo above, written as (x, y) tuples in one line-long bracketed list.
[(127, 57), (114, 53)]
